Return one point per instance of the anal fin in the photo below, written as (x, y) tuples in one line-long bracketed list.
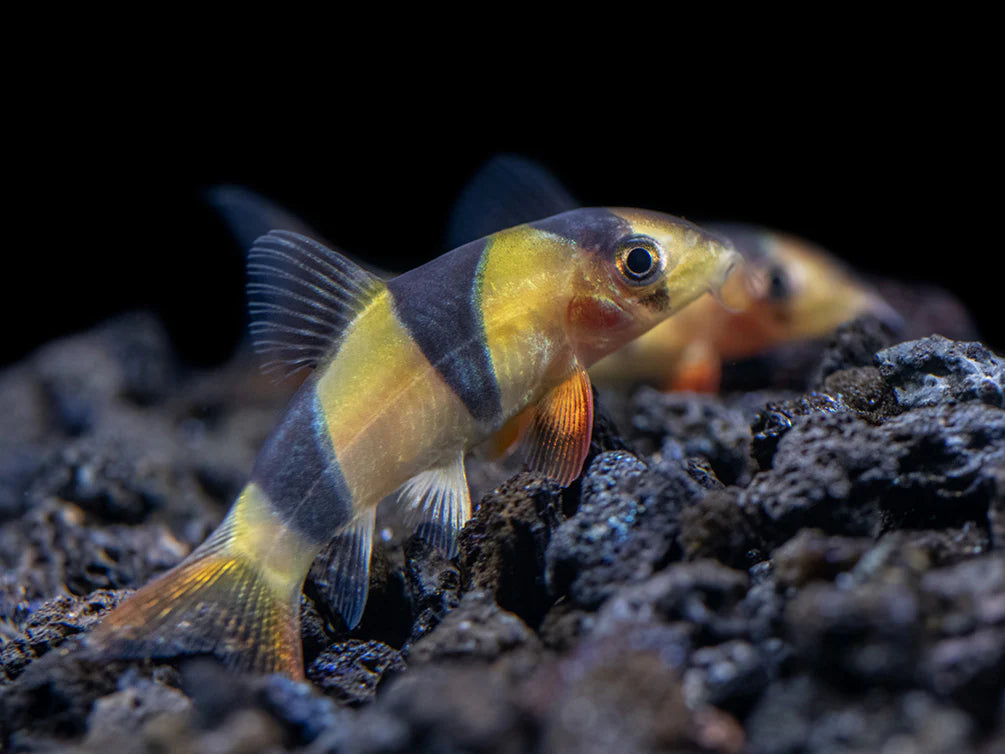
[(439, 500), (343, 573), (558, 438)]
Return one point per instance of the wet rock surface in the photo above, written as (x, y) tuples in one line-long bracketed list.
[(936, 370), (817, 565), (349, 671), (502, 548)]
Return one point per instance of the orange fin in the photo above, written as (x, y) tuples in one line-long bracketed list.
[(558, 438), (699, 371), (213, 602), (502, 443)]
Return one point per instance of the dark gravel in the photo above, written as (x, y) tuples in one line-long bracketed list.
[(812, 566)]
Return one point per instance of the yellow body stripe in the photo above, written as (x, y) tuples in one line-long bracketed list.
[(389, 413), (525, 280), (259, 536)]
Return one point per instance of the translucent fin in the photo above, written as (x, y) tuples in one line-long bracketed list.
[(344, 573), (301, 296), (507, 190), (558, 438), (215, 603), (439, 501), (249, 216)]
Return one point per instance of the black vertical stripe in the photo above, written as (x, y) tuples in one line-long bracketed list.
[(299, 473), (440, 306), (593, 229)]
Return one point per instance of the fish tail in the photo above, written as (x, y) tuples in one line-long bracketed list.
[(222, 600)]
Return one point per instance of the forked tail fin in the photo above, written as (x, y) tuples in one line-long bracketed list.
[(218, 601)]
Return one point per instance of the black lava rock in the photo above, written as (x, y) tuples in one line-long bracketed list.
[(863, 391), (387, 615), (445, 708), (616, 701), (625, 529), (302, 711), (50, 625), (351, 670), (869, 636), (53, 549), (478, 629), (86, 378), (433, 583), (841, 474), (705, 595), (801, 714), (51, 700), (502, 548), (730, 675), (700, 425), (812, 555), (143, 710), (844, 592), (935, 370), (853, 344), (717, 526), (776, 419)]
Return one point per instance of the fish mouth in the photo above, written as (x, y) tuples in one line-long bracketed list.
[(731, 260)]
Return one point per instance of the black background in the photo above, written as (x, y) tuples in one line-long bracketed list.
[(109, 215)]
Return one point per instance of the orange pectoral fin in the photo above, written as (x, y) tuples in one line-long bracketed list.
[(558, 438)]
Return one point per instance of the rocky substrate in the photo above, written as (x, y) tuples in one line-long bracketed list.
[(819, 569)]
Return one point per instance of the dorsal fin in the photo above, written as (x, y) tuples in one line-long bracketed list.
[(507, 190), (301, 296), (249, 215)]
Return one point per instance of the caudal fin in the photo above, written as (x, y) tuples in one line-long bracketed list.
[(217, 601)]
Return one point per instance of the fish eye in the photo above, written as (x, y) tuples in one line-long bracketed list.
[(640, 259), (778, 285)]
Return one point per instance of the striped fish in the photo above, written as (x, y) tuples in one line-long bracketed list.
[(406, 376), (791, 288)]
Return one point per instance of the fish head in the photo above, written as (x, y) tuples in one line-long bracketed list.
[(634, 269), (797, 290)]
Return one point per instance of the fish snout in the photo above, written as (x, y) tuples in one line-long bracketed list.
[(730, 262)]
